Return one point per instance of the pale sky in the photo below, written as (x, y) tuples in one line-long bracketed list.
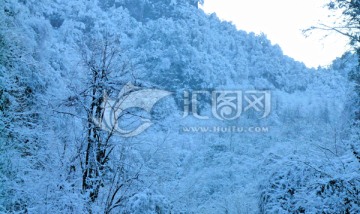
[(282, 22)]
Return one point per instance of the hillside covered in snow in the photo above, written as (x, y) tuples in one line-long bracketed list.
[(289, 144)]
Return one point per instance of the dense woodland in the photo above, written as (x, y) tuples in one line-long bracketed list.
[(58, 58)]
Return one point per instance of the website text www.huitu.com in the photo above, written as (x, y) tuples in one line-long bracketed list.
[(224, 129)]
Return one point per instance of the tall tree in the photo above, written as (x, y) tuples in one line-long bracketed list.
[(348, 24)]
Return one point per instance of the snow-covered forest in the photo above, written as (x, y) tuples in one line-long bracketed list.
[(60, 61)]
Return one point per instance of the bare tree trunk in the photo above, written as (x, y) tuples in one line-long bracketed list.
[(97, 142)]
